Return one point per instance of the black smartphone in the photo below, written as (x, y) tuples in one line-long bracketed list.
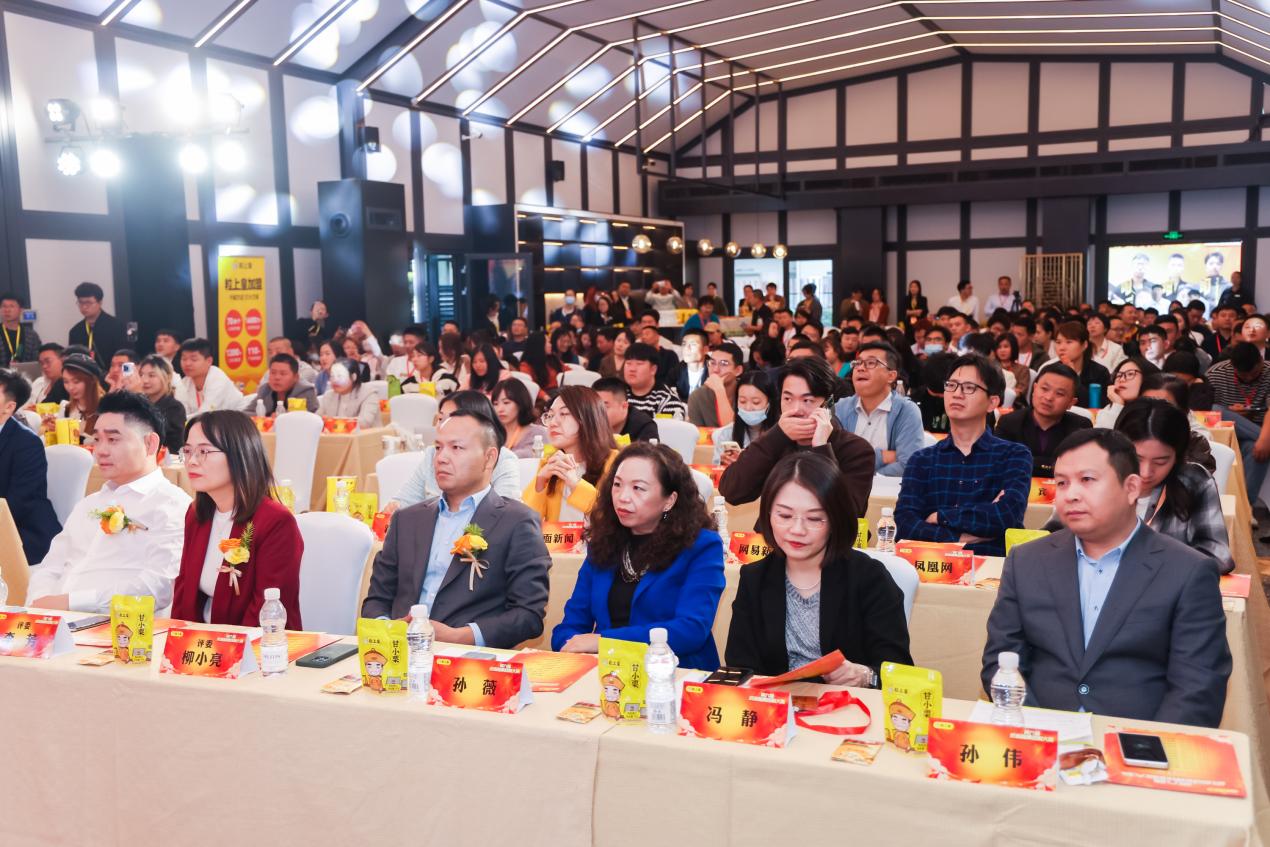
[(327, 656), (87, 623), (1143, 751), (730, 676)]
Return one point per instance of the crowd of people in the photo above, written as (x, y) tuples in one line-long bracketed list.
[(1126, 619)]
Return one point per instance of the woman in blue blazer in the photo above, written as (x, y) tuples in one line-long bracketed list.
[(653, 560)]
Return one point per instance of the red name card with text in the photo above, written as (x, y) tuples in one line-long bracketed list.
[(1042, 491), (1236, 585), (33, 636), (705, 434), (942, 564), (1012, 756), (339, 426), (205, 652), (562, 536), (1198, 764), (486, 685), (749, 547), (731, 713), (712, 471)]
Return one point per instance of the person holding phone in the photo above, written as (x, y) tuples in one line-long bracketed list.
[(756, 412), (234, 504), (814, 593)]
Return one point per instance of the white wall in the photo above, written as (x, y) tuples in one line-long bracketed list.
[(56, 267)]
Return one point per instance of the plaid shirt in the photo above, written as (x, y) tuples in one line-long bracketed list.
[(22, 345), (1205, 529), (962, 491)]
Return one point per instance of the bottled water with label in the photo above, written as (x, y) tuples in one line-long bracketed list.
[(419, 637), (1008, 691), (661, 699), (273, 638), (721, 520), (341, 497), (886, 531)]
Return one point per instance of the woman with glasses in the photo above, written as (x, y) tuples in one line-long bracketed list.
[(1071, 341), (815, 594), (1126, 385), (582, 448), (234, 510)]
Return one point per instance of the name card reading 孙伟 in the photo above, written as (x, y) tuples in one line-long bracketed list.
[(487, 685), (749, 547), (34, 636), (208, 653), (561, 536), (941, 564), (1011, 756), (733, 713)]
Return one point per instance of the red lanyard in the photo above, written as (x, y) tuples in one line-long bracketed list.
[(832, 701)]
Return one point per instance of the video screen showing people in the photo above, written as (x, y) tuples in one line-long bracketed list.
[(1153, 275)]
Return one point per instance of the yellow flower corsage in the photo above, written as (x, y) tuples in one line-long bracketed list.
[(237, 553), (113, 521), (466, 546)]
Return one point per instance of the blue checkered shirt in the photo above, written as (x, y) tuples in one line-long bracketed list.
[(962, 491)]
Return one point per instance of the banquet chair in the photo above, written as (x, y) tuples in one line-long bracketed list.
[(379, 387), (705, 487), (901, 571), (528, 470), (13, 563), (69, 467), (336, 548), (1225, 461), (393, 472), (32, 420), (413, 412), (680, 436), (1084, 413), (579, 376), (296, 436), (929, 440), (523, 377)]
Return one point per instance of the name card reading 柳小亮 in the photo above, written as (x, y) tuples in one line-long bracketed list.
[(1011, 756), (1042, 490), (33, 636), (205, 652), (942, 564), (749, 547), (487, 685), (733, 713), (562, 536)]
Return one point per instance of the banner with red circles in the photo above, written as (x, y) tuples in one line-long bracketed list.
[(241, 315)]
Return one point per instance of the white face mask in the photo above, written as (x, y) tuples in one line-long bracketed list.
[(752, 417), (340, 376), (568, 301)]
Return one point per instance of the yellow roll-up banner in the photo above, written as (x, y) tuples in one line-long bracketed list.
[(240, 299)]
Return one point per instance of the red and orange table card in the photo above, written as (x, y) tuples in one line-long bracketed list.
[(487, 685), (706, 434), (1236, 585), (1208, 419), (731, 713), (339, 426), (1198, 764), (206, 652), (554, 672), (712, 471), (1012, 756), (34, 636), (562, 536), (944, 565), (1042, 491), (748, 547)]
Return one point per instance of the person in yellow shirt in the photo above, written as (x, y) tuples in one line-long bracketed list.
[(581, 450)]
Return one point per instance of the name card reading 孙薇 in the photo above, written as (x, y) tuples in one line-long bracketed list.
[(208, 653), (33, 636), (1011, 756), (487, 685), (733, 713)]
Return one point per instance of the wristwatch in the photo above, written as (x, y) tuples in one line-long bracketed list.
[(874, 682)]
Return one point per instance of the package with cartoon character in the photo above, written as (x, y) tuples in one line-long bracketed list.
[(132, 627), (381, 647), (911, 697), (622, 679)]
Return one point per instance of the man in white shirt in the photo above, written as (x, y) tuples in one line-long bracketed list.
[(964, 300), (205, 386), (1107, 353), (399, 366), (93, 558), (1005, 298), (48, 387)]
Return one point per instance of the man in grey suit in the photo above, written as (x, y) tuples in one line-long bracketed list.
[(1108, 615), (499, 605)]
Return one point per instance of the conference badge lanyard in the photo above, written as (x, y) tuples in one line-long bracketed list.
[(88, 328), (14, 346)]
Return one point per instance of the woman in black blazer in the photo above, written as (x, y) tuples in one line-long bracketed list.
[(815, 594), (915, 307)]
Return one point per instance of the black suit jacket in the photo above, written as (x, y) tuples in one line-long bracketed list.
[(109, 335), (640, 426), (1019, 426), (1158, 651), (23, 483), (861, 614)]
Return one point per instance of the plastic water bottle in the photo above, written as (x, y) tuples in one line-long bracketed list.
[(537, 446), (886, 531), (1008, 691), (341, 497), (273, 639), (286, 494), (4, 593), (260, 408), (661, 699), (419, 637), (721, 520)]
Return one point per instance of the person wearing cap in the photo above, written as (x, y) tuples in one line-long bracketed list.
[(1185, 366), (85, 386)]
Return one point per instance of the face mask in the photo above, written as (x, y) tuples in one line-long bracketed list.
[(752, 417), (932, 349), (340, 376), (568, 301)]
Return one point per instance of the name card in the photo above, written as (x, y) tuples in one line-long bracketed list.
[(562, 536), (748, 547), (1011, 756), (339, 426), (33, 636), (208, 653), (944, 565), (712, 471), (705, 434), (487, 685), (1042, 490), (1236, 585), (731, 713)]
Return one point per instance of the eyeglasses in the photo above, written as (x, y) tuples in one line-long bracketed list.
[(967, 389), (198, 454), (720, 364), (871, 364), (549, 415), (1125, 376)]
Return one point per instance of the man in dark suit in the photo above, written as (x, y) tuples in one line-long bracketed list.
[(1043, 425), (101, 332), (623, 418), (24, 472), (1108, 615), (499, 602)]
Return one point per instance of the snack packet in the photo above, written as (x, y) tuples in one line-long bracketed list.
[(911, 697), (622, 679), (132, 627), (381, 649)]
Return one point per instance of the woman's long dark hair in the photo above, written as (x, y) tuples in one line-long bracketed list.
[(514, 390), (1143, 420), (607, 538), (493, 370), (595, 436), (819, 476), (535, 355), (763, 382), (235, 435)]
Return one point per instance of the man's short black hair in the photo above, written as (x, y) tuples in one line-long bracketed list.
[(197, 345), (1025, 321), (1153, 329), (641, 352), (135, 408), (1226, 307), (892, 356), (940, 331), (1120, 451), (417, 331), (491, 427), (1059, 369), (15, 386), (806, 344), (961, 286), (1166, 319), (733, 350), (815, 371), (128, 355), (946, 312), (287, 359), (9, 295), (610, 385), (51, 347), (990, 376), (1101, 318), (89, 289), (170, 333), (1244, 356), (700, 333)]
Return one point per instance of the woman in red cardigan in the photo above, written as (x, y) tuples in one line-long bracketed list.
[(238, 539)]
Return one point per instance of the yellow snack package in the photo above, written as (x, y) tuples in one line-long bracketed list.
[(911, 697), (67, 431), (297, 404), (331, 483), (132, 627), (622, 679), (1014, 537), (381, 647), (43, 409), (363, 506)]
